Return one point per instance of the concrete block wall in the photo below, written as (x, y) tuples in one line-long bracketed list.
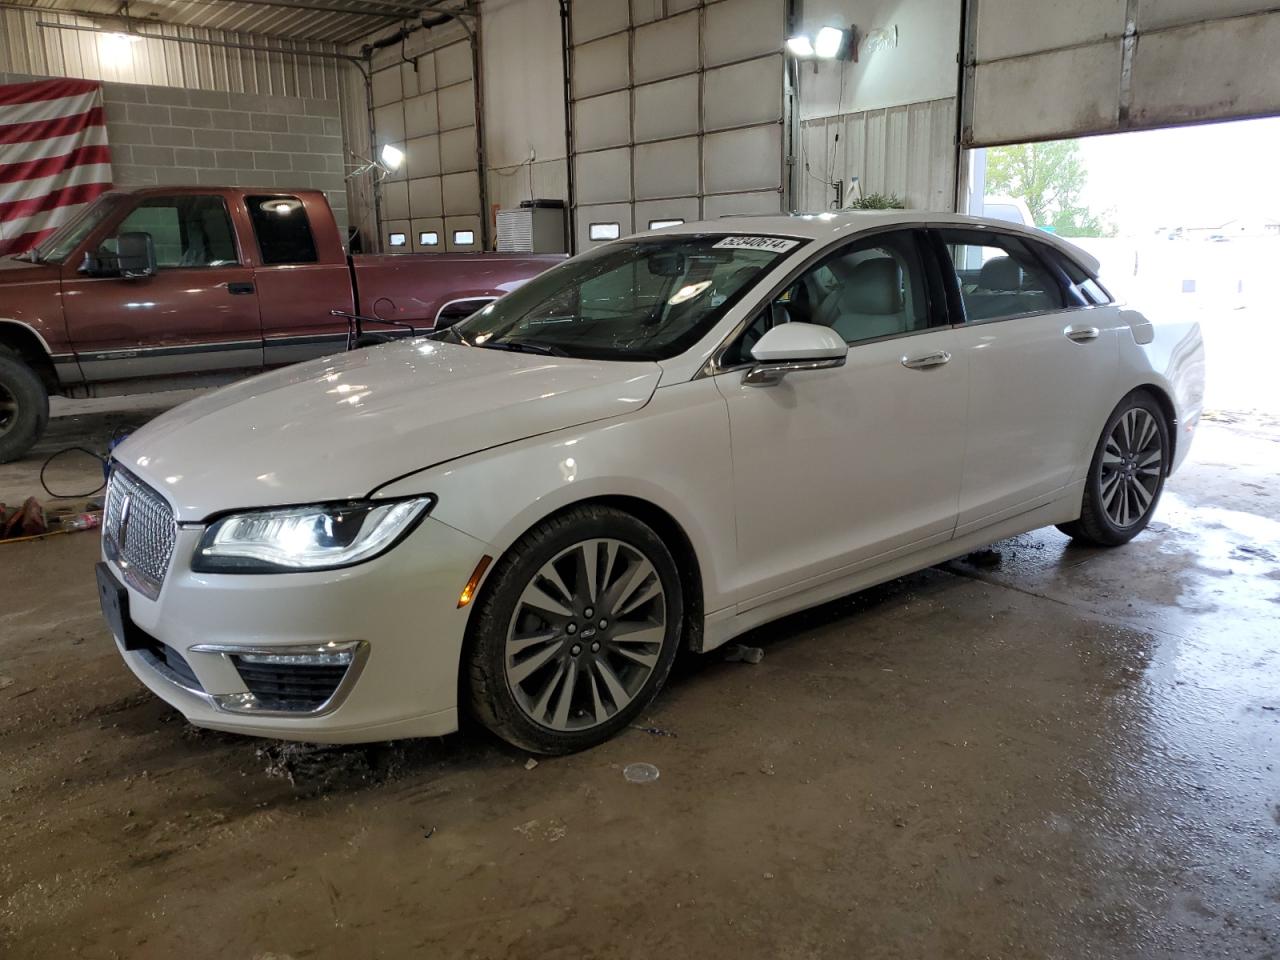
[(170, 135)]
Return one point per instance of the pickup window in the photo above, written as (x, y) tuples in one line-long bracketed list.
[(283, 231), (188, 231)]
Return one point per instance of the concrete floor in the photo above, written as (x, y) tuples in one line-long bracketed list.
[(1074, 754)]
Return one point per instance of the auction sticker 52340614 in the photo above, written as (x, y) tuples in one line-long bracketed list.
[(771, 244)]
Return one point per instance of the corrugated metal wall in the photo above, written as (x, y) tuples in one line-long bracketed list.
[(41, 51), (907, 150)]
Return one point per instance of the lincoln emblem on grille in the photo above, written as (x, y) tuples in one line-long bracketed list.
[(122, 527)]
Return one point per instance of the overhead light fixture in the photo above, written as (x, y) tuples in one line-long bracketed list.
[(392, 157), (116, 49), (800, 46)]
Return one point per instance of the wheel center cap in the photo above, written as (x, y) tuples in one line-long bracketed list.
[(588, 633)]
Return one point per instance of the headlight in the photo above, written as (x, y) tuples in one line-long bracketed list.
[(318, 537)]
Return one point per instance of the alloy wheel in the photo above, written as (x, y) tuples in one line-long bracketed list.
[(1132, 464), (586, 635)]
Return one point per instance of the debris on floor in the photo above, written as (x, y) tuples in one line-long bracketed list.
[(26, 521), (653, 731), (530, 763), (31, 521), (741, 653), (640, 772)]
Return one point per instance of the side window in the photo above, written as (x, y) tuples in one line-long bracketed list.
[(869, 289), (187, 231), (283, 231), (999, 275), (1089, 289)]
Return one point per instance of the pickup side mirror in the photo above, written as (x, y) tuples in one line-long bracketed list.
[(793, 347), (133, 259)]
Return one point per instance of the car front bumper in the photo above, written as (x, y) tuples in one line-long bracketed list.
[(396, 618)]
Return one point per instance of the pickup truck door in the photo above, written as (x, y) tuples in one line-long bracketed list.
[(302, 274), (197, 313)]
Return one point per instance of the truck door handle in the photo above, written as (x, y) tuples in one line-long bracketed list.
[(927, 361), (242, 286), (1081, 334)]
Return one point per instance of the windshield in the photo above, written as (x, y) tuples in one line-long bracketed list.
[(58, 246), (646, 299)]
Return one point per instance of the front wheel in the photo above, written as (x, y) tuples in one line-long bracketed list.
[(575, 632), (1126, 475), (24, 407)]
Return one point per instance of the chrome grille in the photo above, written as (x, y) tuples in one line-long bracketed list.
[(138, 531)]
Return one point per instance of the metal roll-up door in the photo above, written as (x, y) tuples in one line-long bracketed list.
[(677, 112), (433, 202), (1051, 71)]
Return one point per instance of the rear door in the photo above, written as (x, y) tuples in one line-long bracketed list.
[(198, 312), (302, 275), (1042, 369)]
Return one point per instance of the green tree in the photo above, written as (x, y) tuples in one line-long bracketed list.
[(1050, 177)]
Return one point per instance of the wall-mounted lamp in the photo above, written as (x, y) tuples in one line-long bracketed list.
[(829, 43), (390, 159)]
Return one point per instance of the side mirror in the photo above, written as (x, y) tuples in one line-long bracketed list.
[(134, 258), (793, 347)]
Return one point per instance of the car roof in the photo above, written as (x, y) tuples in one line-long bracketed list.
[(829, 226)]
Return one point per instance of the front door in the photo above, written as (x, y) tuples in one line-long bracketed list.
[(1042, 376), (834, 469), (197, 313)]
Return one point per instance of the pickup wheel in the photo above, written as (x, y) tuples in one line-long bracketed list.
[(575, 632), (24, 407)]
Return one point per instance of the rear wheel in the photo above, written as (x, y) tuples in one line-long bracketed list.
[(1126, 476), (576, 631), (24, 407)]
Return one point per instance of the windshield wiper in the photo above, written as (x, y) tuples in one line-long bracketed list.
[(526, 346)]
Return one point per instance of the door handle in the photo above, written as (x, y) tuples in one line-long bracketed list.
[(1081, 334), (928, 361), (242, 286)]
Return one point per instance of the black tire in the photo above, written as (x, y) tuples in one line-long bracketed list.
[(491, 697), (1097, 526), (24, 407)]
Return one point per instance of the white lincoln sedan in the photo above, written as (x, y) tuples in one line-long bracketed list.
[(661, 443)]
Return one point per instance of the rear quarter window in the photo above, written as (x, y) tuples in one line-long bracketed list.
[(282, 229), (1083, 282)]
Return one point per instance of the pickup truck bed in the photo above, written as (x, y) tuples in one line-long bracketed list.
[(161, 287)]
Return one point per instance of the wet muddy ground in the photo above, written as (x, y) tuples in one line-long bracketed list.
[(1071, 754)]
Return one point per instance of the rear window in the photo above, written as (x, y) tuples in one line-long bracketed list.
[(283, 232)]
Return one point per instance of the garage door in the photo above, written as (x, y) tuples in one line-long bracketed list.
[(432, 203), (677, 112), (1039, 71)]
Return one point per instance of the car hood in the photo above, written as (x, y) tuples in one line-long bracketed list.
[(338, 427)]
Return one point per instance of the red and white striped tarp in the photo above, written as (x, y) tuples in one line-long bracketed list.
[(53, 157)]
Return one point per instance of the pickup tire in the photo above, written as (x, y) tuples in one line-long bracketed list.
[(24, 407)]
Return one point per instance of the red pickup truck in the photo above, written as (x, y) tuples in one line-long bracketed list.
[(164, 287)]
